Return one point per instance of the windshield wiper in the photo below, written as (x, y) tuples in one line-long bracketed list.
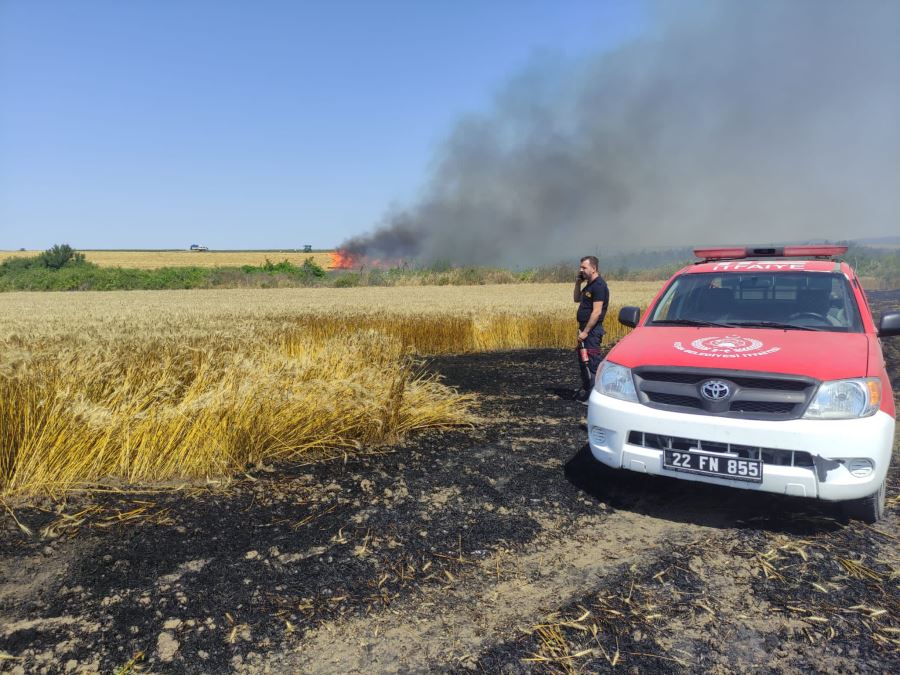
[(773, 324), (691, 322)]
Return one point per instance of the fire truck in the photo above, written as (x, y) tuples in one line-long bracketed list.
[(754, 368)]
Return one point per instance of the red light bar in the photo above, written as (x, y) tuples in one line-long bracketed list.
[(715, 253), (734, 252), (814, 251)]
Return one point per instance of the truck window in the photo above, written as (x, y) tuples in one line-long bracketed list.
[(818, 300)]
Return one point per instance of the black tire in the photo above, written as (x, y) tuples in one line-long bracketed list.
[(867, 509)]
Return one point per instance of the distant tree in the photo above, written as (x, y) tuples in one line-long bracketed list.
[(60, 255)]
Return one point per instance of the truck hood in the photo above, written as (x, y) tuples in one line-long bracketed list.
[(822, 355)]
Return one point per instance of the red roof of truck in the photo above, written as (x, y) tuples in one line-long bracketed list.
[(770, 265)]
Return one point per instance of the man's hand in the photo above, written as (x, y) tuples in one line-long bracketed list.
[(582, 336), (579, 278)]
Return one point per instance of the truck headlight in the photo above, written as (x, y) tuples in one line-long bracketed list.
[(616, 381), (845, 399)]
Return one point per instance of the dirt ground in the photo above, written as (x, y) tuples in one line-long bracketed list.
[(501, 548)]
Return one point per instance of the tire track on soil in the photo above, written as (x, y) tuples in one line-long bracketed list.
[(448, 627)]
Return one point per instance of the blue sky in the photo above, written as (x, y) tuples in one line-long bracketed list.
[(157, 124)]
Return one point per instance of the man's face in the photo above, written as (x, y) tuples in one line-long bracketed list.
[(587, 270)]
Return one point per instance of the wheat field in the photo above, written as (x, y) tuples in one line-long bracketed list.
[(149, 260), (153, 386), (43, 313)]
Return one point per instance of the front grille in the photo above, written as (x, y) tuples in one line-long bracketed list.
[(772, 456), (765, 396), (683, 376), (668, 376), (762, 407), (674, 399), (767, 383)]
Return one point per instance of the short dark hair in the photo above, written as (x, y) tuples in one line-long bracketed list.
[(592, 259)]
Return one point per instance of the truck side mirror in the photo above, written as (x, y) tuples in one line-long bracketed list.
[(629, 316), (889, 325)]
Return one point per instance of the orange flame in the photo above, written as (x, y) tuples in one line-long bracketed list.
[(344, 260)]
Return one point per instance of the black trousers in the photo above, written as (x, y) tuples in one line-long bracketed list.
[(594, 338)]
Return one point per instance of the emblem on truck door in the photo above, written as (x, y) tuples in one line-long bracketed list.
[(715, 390)]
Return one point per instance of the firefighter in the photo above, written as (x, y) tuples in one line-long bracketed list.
[(593, 300)]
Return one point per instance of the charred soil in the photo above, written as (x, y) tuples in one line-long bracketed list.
[(501, 548)]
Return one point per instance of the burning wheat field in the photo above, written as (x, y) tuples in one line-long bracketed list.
[(321, 481)]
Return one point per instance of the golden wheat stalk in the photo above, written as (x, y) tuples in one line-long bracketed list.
[(148, 388)]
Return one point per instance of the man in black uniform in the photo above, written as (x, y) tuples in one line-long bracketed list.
[(593, 301)]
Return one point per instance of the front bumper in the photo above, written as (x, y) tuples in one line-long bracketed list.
[(611, 420)]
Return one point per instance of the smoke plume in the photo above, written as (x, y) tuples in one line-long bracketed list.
[(727, 122)]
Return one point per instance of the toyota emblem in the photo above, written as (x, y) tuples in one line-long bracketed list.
[(715, 390)]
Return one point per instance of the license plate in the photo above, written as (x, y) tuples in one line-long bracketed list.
[(706, 464)]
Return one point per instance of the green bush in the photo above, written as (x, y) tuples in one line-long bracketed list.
[(54, 258), (348, 280), (439, 266), (60, 255), (550, 274), (17, 265), (469, 276), (312, 269), (376, 277), (308, 271)]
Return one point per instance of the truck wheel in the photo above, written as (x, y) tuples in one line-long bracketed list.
[(867, 509)]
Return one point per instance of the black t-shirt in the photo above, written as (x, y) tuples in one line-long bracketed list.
[(596, 291)]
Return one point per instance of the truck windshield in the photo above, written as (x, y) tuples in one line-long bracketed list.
[(799, 300)]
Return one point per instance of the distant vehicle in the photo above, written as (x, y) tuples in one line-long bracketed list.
[(198, 247), (755, 368)]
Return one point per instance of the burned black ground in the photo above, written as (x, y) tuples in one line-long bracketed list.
[(280, 552)]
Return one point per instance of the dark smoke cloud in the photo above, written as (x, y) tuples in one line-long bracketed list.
[(729, 121)]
